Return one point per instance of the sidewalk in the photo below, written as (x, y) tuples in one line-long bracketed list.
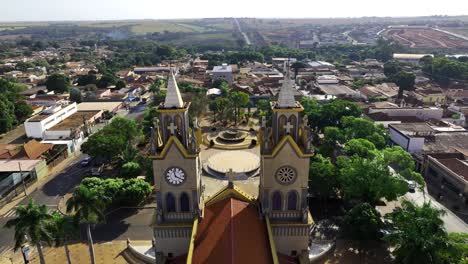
[(41, 182)]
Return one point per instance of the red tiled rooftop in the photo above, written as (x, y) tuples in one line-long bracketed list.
[(231, 231)]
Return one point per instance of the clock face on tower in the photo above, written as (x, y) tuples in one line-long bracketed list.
[(286, 175), (175, 176)]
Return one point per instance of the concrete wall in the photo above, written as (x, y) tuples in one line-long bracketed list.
[(41, 169), (228, 76), (56, 134), (289, 239), (410, 144), (173, 240)]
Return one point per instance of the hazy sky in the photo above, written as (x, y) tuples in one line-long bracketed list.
[(48, 10)]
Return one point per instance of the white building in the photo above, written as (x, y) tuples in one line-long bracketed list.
[(410, 136), (52, 115), (423, 113), (410, 58), (223, 72)]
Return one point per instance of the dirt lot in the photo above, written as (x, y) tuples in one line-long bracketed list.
[(425, 38)]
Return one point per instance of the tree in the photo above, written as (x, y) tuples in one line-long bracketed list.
[(119, 191), (7, 114), (33, 224), (58, 83), (87, 206), (159, 97), (362, 128), (22, 111), (111, 141), (220, 83), (105, 81), (362, 222), (130, 170), (332, 113), (238, 100), (368, 179), (198, 105), (24, 66), (458, 248), (322, 176), (313, 111), (84, 80), (75, 95), (149, 117), (65, 229), (218, 107), (405, 81), (418, 233), (120, 84), (134, 192), (360, 147), (403, 163), (391, 68)]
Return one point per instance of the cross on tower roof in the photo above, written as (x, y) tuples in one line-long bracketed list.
[(172, 128), (288, 127), (230, 175)]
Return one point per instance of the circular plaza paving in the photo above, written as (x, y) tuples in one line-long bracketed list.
[(241, 162)]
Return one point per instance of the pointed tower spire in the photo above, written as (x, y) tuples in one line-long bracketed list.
[(286, 93), (173, 97)]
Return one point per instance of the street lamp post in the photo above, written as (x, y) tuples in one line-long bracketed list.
[(22, 179)]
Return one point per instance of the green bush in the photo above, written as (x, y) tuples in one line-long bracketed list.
[(119, 191), (130, 170), (133, 192)]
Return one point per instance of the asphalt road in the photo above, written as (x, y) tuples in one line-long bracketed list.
[(49, 194)]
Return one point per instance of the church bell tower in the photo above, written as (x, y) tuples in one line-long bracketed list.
[(177, 169), (285, 156)]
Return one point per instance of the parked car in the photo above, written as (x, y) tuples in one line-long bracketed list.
[(412, 186), (85, 162)]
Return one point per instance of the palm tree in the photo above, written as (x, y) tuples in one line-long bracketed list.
[(419, 235), (65, 229), (88, 207), (32, 221)]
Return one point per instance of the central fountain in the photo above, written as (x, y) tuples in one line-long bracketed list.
[(232, 136)]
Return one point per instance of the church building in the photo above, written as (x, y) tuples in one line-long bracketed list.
[(231, 225)]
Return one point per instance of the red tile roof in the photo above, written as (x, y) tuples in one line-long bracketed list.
[(231, 231)]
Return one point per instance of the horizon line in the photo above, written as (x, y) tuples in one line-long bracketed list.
[(241, 17)]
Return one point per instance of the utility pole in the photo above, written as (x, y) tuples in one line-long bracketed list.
[(22, 179)]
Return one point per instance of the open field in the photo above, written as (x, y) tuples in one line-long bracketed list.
[(457, 30), (424, 37)]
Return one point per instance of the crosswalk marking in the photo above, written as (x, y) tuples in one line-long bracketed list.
[(10, 213), (5, 249)]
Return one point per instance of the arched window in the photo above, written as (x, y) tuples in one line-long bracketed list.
[(281, 124), (276, 201), (170, 203), (167, 123), (293, 121), (292, 200), (184, 203), (178, 123)]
